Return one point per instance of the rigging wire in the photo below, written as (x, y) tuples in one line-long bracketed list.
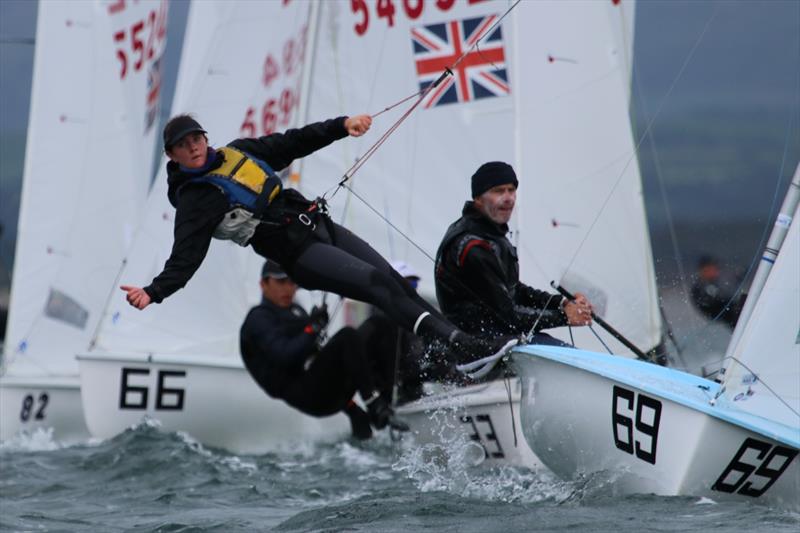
[(767, 227), (421, 95), (684, 278), (389, 222)]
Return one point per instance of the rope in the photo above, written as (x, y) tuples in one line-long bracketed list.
[(601, 340), (372, 149), (389, 222), (507, 382)]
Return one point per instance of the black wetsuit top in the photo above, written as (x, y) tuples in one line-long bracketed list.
[(284, 359), (477, 281), (274, 345)]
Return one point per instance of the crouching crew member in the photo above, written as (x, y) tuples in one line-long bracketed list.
[(280, 349)]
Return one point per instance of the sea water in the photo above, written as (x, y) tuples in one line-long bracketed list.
[(150, 480)]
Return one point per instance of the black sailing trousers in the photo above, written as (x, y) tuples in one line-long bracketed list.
[(337, 371), (338, 261)]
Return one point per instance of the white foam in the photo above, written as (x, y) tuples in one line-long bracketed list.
[(454, 463), (37, 440), (705, 501), (146, 422), (232, 462)]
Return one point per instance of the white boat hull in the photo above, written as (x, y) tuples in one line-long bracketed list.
[(47, 403), (477, 413), (213, 399), (649, 429)]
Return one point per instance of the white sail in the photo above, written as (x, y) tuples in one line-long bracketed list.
[(239, 76), (770, 344), (93, 118), (552, 101), (420, 178), (582, 221), (622, 15)]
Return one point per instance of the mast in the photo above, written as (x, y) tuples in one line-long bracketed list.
[(771, 251), (309, 53), (518, 163)]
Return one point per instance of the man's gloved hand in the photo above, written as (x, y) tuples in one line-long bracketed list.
[(318, 319)]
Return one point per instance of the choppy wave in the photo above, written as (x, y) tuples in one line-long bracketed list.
[(146, 479)]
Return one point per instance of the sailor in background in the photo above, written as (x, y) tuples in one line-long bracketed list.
[(477, 270), (279, 343), (234, 193), (712, 294)]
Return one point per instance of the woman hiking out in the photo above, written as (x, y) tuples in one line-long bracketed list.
[(234, 193)]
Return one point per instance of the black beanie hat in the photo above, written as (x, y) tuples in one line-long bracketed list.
[(491, 175)]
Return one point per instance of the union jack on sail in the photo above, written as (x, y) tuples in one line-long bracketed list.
[(481, 74)]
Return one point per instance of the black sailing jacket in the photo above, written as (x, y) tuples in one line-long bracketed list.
[(274, 345), (477, 281)]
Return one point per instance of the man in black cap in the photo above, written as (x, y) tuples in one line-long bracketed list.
[(477, 271), (279, 343)]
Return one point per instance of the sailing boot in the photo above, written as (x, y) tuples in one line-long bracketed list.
[(359, 421), (381, 415), (468, 348)]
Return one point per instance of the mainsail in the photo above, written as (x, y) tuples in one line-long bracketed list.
[(239, 76), (93, 120), (546, 90), (582, 221)]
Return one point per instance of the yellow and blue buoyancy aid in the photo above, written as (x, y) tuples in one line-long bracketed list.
[(250, 185)]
